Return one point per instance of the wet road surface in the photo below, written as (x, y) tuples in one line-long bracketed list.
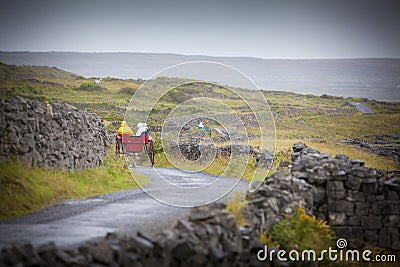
[(75, 222), (362, 108)]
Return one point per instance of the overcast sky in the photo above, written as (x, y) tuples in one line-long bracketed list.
[(266, 29)]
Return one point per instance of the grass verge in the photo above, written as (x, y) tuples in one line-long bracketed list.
[(25, 189)]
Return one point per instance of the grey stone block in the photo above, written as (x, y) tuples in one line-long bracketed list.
[(342, 231), (356, 232), (355, 196), (359, 163), (388, 237), (353, 183), (378, 208), (343, 206), (392, 195), (392, 221), (372, 237), (369, 188), (334, 186), (362, 208), (337, 218), (370, 198), (393, 207), (371, 222), (354, 220)]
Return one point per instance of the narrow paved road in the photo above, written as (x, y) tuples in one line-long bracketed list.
[(362, 108), (74, 222)]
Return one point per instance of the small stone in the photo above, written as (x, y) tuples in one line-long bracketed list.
[(337, 218), (393, 207), (341, 157), (258, 200), (141, 243), (353, 183), (183, 225), (392, 195), (183, 250), (216, 254), (298, 167), (201, 214), (359, 163), (336, 195), (380, 197), (102, 252), (392, 220), (343, 206), (370, 180), (370, 198), (298, 147), (378, 208), (357, 197), (335, 186)]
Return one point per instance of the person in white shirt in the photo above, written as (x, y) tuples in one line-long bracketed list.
[(142, 128)]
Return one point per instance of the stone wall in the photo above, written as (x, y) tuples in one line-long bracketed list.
[(194, 148), (351, 197), (355, 201), (209, 236), (51, 136)]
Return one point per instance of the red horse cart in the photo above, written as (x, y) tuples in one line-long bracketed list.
[(136, 144)]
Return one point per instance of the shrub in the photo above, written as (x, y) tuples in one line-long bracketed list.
[(235, 206), (29, 90), (281, 157), (302, 231), (127, 90), (158, 147), (88, 86)]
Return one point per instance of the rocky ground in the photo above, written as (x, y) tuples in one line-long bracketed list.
[(387, 145)]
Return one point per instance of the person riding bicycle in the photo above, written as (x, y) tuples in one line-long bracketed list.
[(123, 129)]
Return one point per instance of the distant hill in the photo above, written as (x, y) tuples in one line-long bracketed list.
[(370, 78)]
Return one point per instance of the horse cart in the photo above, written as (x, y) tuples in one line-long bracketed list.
[(136, 144)]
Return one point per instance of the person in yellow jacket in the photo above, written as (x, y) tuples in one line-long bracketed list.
[(124, 129)]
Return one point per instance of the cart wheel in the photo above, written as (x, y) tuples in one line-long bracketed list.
[(151, 152)]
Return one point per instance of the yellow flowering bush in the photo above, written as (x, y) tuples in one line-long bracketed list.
[(301, 231)]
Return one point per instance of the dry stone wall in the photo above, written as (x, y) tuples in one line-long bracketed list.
[(352, 198), (51, 136), (208, 237), (193, 149), (355, 201)]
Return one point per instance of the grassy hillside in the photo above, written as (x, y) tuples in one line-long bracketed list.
[(323, 122), (108, 99)]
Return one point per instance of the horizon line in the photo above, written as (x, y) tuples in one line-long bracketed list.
[(198, 55)]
